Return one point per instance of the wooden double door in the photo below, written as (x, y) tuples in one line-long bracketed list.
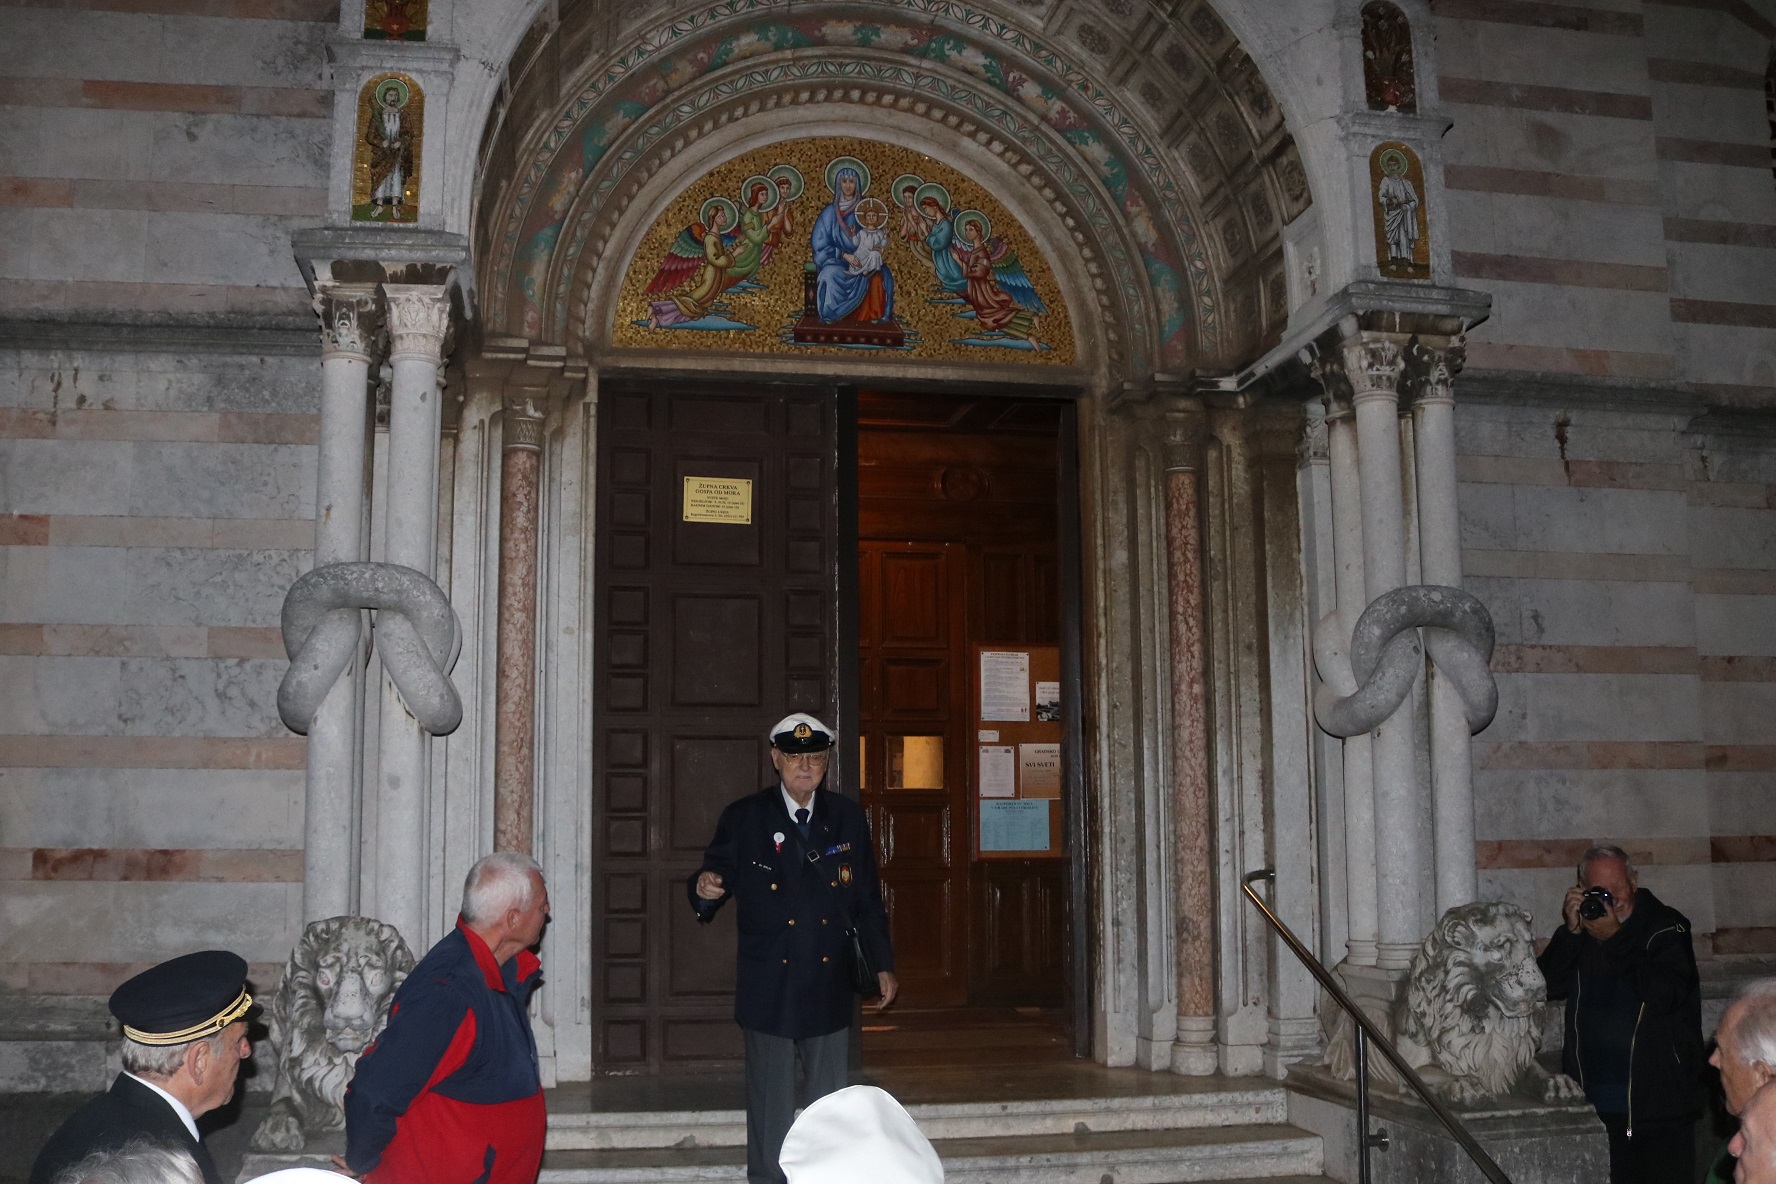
[(756, 556)]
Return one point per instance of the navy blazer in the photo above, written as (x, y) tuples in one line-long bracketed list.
[(127, 1112), (792, 976)]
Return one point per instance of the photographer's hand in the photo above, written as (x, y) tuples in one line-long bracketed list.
[(1569, 909), (1604, 928)]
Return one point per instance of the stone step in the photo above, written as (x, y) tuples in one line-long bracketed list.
[(1255, 1105), (1267, 1152)]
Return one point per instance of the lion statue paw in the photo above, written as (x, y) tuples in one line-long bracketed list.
[(1558, 1087), (331, 1003), (1471, 1003)]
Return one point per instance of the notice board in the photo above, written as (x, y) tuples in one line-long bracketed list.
[(1014, 772)]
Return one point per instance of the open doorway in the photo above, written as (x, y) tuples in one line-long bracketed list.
[(960, 510)]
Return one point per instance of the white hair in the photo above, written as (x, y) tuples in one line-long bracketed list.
[(1753, 1035), (136, 1162), (163, 1060), (496, 883), (1606, 851)]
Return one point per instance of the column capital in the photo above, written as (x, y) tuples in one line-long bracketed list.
[(526, 408), (418, 321), (1186, 431), (1372, 361), (1316, 437), (351, 320), (1431, 366)]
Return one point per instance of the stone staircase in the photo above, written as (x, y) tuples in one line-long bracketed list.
[(1089, 1126)]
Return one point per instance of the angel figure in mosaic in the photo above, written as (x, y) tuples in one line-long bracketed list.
[(759, 196), (390, 139), (781, 222), (905, 193), (995, 284), (937, 246), (694, 272)]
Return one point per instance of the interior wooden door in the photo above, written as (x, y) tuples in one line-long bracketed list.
[(713, 623), (912, 665)]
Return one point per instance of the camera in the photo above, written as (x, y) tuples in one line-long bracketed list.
[(1595, 904)]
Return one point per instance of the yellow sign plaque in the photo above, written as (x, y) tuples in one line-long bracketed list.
[(718, 499)]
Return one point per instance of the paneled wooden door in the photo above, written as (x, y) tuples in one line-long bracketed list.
[(709, 632), (913, 670)]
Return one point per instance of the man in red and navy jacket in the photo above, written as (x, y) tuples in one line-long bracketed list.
[(449, 1093)]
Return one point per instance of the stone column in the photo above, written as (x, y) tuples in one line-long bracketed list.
[(514, 759), (1432, 368), (350, 326), (1372, 365), (1193, 806), (418, 323)]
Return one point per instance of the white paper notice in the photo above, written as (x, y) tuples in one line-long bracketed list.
[(1039, 770), (987, 736), (998, 771), (1048, 702), (1005, 685)]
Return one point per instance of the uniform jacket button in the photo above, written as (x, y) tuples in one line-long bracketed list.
[(786, 961), (773, 887), (826, 959), (823, 920), (792, 920)]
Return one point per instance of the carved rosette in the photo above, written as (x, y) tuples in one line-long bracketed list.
[(351, 321), (418, 321)]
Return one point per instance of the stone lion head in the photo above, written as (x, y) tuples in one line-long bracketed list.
[(1471, 1000), (333, 1000)]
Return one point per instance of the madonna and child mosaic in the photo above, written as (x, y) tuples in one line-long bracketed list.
[(839, 245)]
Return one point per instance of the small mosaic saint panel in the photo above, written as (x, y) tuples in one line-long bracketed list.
[(391, 132), (839, 245)]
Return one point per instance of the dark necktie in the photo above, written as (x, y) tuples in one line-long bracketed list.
[(802, 821)]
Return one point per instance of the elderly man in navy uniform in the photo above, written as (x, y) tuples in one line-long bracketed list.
[(798, 860), (184, 1038)]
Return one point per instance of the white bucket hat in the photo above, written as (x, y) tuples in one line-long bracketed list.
[(859, 1134)]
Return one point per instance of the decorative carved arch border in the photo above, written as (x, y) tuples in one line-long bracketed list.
[(601, 230), (982, 32)]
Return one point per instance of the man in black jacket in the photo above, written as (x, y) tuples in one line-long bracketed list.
[(184, 1038), (1624, 964), (799, 863)]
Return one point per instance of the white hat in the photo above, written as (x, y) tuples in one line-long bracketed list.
[(801, 733), (298, 1176), (860, 1133)]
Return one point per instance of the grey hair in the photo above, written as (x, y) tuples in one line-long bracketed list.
[(1606, 851), (136, 1162), (496, 883), (1754, 1034), (163, 1060)]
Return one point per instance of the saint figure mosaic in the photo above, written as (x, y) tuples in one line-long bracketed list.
[(385, 170), (807, 246), (1402, 228)]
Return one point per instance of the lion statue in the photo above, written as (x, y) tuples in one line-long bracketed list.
[(1469, 1022), (333, 1001)]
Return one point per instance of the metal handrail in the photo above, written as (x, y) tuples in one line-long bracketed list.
[(1365, 1032)]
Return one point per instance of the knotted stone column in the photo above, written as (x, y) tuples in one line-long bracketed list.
[(1372, 365), (418, 323), (351, 324), (514, 759), (1193, 807), (1430, 379)]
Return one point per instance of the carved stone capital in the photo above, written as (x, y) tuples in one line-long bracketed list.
[(1185, 425), (418, 321), (1372, 363), (526, 407), (1431, 367), (351, 321)]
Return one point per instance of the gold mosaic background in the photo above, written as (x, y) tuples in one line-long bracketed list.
[(932, 329)]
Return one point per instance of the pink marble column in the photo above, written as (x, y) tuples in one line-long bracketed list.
[(514, 725), (1192, 801)]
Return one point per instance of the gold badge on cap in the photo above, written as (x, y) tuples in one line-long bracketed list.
[(803, 731)]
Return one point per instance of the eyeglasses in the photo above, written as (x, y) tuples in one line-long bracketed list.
[(803, 758)]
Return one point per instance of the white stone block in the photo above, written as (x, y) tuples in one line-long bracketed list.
[(1577, 318), (151, 47), (190, 248), (1559, 228), (15, 241), (190, 586), (65, 477), (1501, 53), (82, 244), (1561, 803), (1576, 520), (1742, 803), (1726, 353), (239, 150), (59, 696), (1703, 35), (1580, 707), (200, 697), (206, 808), (1736, 625), (1742, 894), (1717, 194), (1551, 141), (1738, 712), (1604, 612), (140, 922), (1706, 271), (278, 385), (1730, 115), (75, 142), (224, 481), (65, 585)]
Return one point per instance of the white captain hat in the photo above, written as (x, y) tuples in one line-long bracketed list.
[(801, 733), (859, 1133)]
